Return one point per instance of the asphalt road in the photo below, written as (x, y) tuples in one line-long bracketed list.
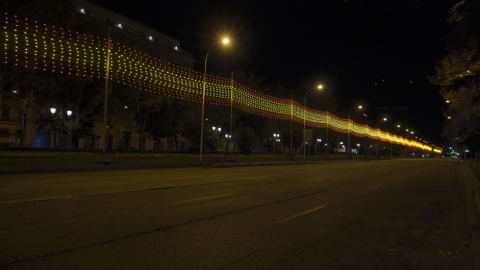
[(398, 214)]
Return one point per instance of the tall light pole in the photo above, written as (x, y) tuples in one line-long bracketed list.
[(225, 41), (391, 151), (349, 124), (406, 145), (106, 93), (304, 109), (217, 132), (378, 129)]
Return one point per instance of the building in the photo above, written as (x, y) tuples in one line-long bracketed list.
[(122, 133)]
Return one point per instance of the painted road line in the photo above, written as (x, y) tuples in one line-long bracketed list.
[(311, 181), (205, 198), (36, 199), (303, 213), (374, 187)]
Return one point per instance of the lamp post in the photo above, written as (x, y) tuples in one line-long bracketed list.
[(304, 109), (54, 117), (275, 139), (229, 137), (349, 124), (217, 133), (225, 41), (378, 129), (391, 150), (318, 141)]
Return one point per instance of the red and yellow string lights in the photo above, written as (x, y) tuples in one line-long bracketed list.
[(52, 49)]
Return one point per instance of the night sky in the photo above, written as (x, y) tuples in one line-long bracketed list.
[(346, 46)]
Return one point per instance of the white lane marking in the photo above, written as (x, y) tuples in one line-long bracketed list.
[(204, 198), (311, 181), (374, 187), (36, 199), (301, 214)]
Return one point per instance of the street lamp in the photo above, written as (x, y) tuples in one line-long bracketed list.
[(225, 41), (54, 117), (378, 129), (391, 148), (275, 139), (304, 109), (318, 141), (217, 133), (349, 124)]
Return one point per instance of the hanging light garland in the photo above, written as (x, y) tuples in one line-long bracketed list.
[(52, 49)]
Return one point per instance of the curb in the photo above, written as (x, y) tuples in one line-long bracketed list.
[(275, 163), (472, 189), (113, 167), (93, 167)]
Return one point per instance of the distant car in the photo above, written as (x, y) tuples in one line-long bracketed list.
[(453, 157)]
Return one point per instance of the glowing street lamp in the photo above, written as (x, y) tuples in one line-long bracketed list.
[(225, 41), (349, 124), (217, 132), (304, 109), (275, 139), (378, 129)]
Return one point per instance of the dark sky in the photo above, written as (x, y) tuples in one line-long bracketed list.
[(346, 46)]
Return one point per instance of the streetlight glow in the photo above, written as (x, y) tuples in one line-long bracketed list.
[(69, 112), (360, 106), (225, 40), (53, 110), (320, 86), (384, 119)]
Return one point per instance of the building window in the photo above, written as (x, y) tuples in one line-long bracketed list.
[(133, 31), (159, 145), (4, 132), (89, 141), (163, 43), (97, 17), (42, 138), (126, 138), (5, 116)]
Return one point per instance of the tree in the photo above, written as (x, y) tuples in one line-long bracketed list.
[(458, 74)]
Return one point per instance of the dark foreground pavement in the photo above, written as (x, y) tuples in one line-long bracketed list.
[(402, 214)]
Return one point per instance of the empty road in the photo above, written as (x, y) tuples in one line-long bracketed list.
[(396, 214)]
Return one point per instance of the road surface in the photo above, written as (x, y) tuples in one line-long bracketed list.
[(397, 214)]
